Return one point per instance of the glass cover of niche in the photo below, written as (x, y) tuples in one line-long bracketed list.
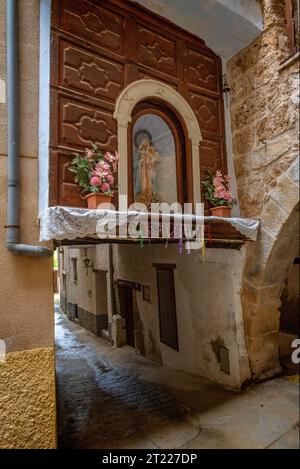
[(154, 161)]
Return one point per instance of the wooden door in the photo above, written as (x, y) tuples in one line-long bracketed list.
[(126, 311)]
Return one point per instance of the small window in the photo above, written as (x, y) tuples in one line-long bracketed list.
[(64, 282), (167, 305), (74, 269)]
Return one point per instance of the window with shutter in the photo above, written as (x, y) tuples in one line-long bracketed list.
[(167, 305)]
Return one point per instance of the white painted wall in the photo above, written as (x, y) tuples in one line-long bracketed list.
[(44, 103), (225, 25), (207, 302), (248, 9), (228, 135)]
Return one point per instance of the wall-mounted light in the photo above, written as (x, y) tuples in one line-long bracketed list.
[(226, 88)]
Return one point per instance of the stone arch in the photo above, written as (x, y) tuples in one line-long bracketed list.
[(267, 264), (145, 89)]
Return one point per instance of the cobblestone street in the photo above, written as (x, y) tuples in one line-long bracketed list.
[(113, 398)]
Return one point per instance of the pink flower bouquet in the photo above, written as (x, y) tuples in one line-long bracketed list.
[(94, 171), (217, 190)]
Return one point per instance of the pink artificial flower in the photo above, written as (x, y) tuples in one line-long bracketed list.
[(110, 179), (102, 165), (105, 187), (95, 181), (223, 194), (109, 157), (89, 153), (115, 162), (101, 169)]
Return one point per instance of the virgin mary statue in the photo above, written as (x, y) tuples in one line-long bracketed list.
[(147, 159)]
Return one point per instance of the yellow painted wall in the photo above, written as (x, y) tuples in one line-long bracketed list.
[(27, 397)]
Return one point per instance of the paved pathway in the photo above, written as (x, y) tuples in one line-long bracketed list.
[(113, 398)]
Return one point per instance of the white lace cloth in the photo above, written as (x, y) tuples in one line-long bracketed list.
[(70, 223)]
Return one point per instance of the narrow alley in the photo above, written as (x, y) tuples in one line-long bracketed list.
[(113, 398)]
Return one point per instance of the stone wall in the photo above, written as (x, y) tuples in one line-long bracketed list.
[(27, 376), (264, 84)]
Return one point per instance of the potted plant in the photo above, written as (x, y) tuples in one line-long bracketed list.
[(94, 174), (218, 194)]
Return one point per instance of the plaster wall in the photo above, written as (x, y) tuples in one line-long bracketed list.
[(26, 291), (91, 291), (208, 308), (27, 400)]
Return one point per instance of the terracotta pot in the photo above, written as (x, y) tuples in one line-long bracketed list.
[(221, 211), (93, 200)]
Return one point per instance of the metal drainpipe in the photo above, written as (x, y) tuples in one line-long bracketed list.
[(13, 162), (111, 279)]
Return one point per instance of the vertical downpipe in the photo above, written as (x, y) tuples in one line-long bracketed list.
[(13, 140)]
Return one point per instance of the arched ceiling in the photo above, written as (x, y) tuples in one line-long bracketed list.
[(225, 25)]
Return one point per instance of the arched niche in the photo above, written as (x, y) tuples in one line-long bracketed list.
[(153, 89)]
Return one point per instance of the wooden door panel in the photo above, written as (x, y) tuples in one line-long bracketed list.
[(126, 312), (156, 51), (93, 23), (68, 193), (201, 70), (82, 124), (210, 154), (207, 112), (86, 72)]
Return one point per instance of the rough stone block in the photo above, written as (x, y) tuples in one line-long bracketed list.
[(264, 319), (259, 293), (263, 355), (269, 153), (273, 217), (243, 141), (282, 119), (286, 194), (293, 172)]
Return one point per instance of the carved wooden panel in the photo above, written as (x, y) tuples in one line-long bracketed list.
[(82, 124), (85, 72), (153, 75), (93, 23), (207, 112), (67, 192), (100, 46), (202, 70), (210, 155), (156, 51), (210, 159)]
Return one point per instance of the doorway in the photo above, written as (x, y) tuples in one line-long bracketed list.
[(126, 311)]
